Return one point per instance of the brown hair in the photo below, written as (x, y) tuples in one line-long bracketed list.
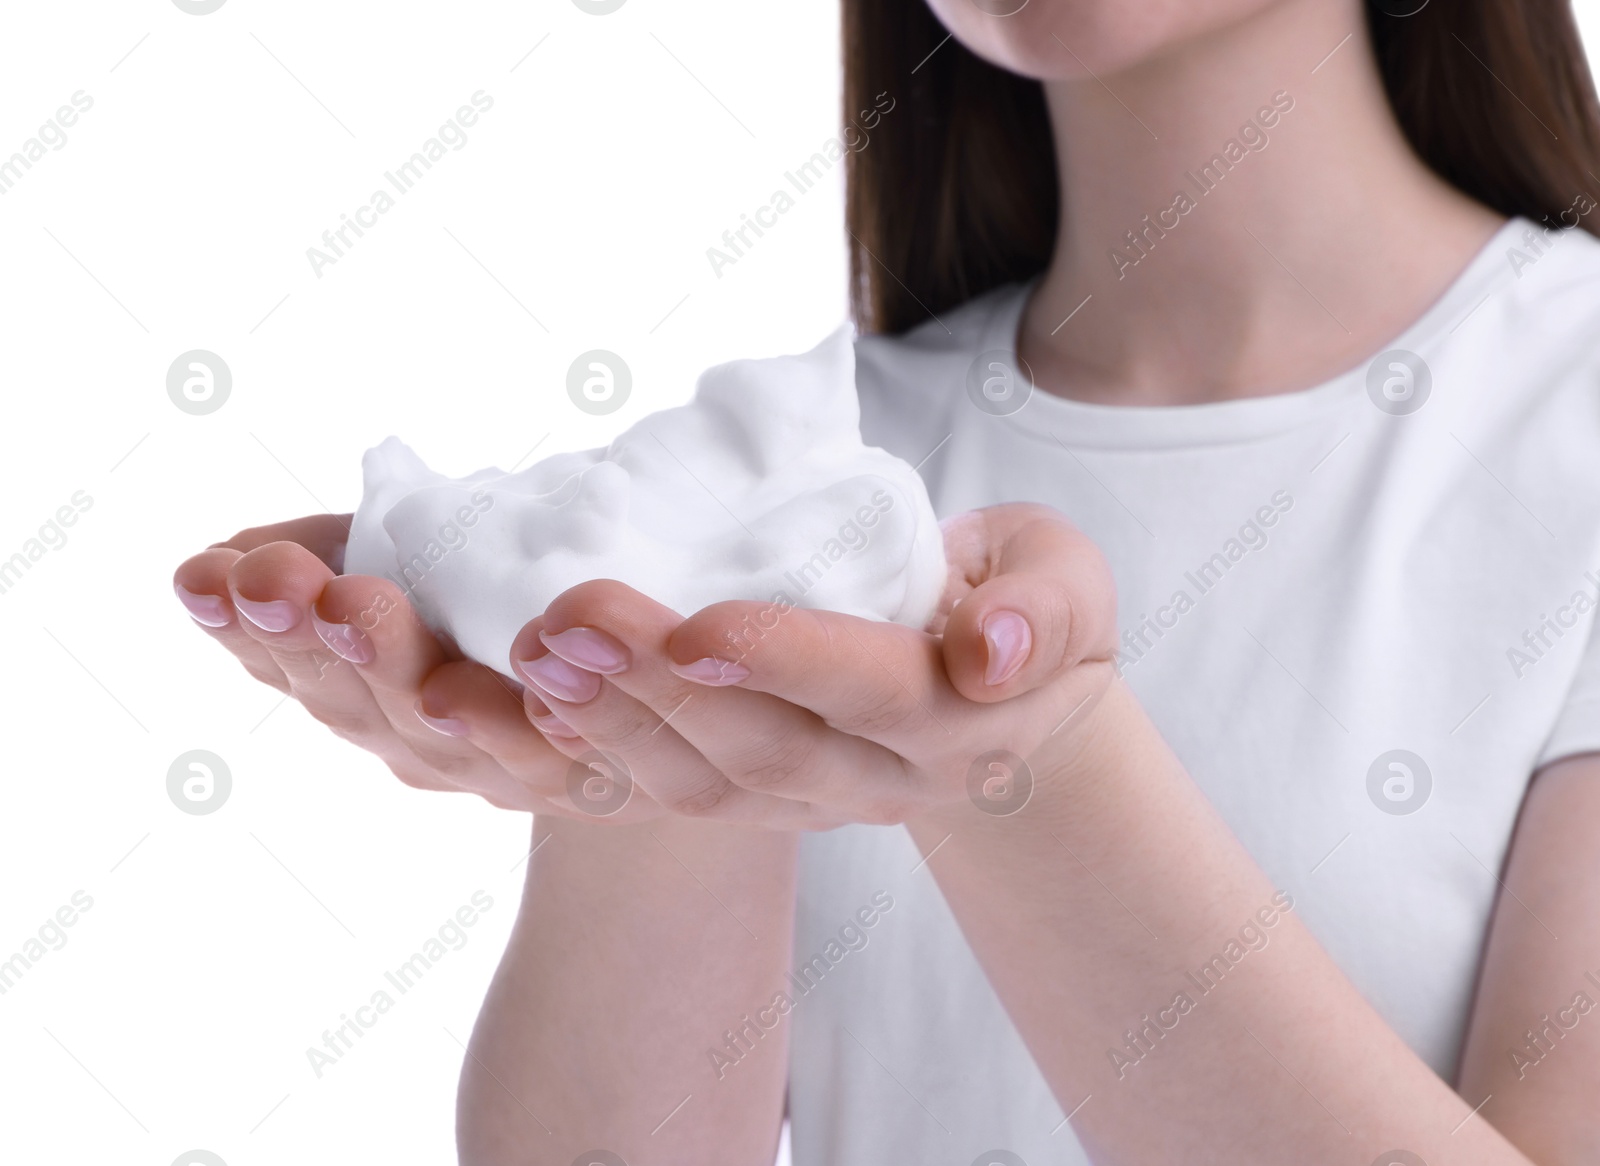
[(957, 192)]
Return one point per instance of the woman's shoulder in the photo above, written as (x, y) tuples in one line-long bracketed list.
[(909, 382), (1527, 340), (1556, 269), (1550, 280), (1569, 251)]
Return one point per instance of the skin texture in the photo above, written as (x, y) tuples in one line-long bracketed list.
[(663, 937), (838, 720), (1312, 252), (1542, 944)]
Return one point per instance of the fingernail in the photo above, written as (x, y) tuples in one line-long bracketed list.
[(710, 670), (347, 640), (561, 680), (273, 615), (210, 610), (449, 726), (1009, 639), (589, 648), (554, 725)]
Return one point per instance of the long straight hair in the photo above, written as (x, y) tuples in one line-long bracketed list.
[(958, 194)]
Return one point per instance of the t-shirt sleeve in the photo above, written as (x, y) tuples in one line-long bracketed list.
[(1577, 728)]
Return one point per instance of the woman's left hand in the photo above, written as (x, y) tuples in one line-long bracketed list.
[(743, 703)]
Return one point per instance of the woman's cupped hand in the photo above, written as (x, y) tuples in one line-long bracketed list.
[(752, 713)]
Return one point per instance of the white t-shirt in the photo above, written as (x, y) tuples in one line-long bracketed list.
[(1307, 582)]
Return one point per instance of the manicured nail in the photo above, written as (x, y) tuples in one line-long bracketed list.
[(211, 610), (555, 726), (1009, 639), (710, 670), (347, 640), (589, 648), (561, 680), (449, 726), (273, 615)]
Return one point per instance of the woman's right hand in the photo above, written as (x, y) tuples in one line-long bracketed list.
[(354, 652)]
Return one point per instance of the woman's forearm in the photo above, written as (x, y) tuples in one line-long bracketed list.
[(1533, 1048), (1170, 995), (630, 1011)]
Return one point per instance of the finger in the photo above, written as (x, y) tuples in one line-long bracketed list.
[(760, 742), (266, 599), (339, 699), (674, 773), (324, 535), (1032, 595), (866, 678), (659, 765), (879, 681), (275, 589), (271, 588), (201, 585), (542, 717), (487, 709), (356, 656), (200, 582), (371, 624), (536, 714)]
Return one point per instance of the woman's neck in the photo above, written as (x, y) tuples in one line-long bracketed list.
[(1205, 260)]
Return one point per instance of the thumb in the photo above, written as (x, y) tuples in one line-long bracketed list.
[(1032, 598)]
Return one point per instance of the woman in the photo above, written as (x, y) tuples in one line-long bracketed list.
[(1279, 302)]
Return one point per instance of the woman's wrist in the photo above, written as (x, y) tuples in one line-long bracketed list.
[(668, 843), (1068, 777)]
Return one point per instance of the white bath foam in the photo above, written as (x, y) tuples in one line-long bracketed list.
[(760, 488)]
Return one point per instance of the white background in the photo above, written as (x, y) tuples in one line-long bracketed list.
[(177, 216)]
